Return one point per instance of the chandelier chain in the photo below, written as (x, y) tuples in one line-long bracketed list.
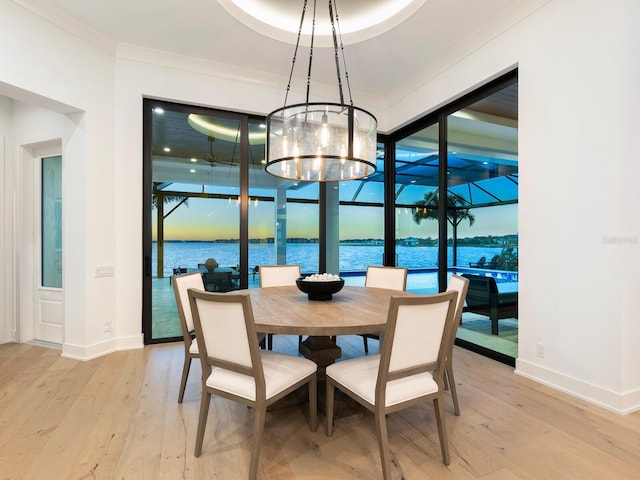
[(344, 60), (295, 52), (313, 36)]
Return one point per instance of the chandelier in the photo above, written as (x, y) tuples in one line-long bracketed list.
[(322, 142)]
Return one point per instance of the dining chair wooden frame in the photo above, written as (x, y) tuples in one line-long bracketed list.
[(181, 284), (226, 334), (278, 276), (394, 278), (461, 285), (408, 371)]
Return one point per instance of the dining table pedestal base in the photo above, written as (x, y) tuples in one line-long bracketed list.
[(322, 350)]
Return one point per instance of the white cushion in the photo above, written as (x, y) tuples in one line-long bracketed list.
[(360, 375), (193, 348), (280, 372)]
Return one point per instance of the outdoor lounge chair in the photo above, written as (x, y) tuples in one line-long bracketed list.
[(484, 298), (479, 264)]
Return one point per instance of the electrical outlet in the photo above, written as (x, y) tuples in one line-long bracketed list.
[(104, 271), (107, 327), (541, 350)]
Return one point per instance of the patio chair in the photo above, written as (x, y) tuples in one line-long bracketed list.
[(409, 370), (217, 281), (226, 333), (278, 276), (394, 278), (479, 264), (460, 285)]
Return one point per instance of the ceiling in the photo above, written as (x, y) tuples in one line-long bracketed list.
[(384, 59), (399, 42)]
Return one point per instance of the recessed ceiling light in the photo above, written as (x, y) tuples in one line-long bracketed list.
[(166, 149), (194, 160), (359, 19), (193, 170)]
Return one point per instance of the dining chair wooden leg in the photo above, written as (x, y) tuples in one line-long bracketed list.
[(313, 404), (258, 429), (442, 430), (451, 383), (330, 396), (202, 421), (185, 375), (383, 442)]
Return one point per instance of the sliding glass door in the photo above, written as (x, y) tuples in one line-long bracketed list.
[(417, 166), (192, 206), (456, 200), (482, 216)]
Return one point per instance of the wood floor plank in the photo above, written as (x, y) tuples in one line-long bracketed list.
[(118, 417)]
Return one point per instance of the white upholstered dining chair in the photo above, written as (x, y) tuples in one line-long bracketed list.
[(226, 335), (393, 278), (278, 276), (460, 285), (182, 283), (409, 369)]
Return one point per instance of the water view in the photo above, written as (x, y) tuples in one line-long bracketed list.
[(353, 258)]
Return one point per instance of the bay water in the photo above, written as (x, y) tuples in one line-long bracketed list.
[(353, 258)]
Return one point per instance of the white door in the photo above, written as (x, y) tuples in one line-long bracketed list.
[(43, 303)]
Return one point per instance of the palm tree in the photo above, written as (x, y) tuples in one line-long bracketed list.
[(456, 213), (167, 198)]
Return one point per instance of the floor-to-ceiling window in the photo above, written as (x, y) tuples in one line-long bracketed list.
[(416, 215), (193, 202), (482, 215), (361, 228), (449, 206), (456, 196), (211, 207)]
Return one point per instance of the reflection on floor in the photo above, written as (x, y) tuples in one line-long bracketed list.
[(477, 329)]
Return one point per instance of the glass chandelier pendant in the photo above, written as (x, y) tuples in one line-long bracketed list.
[(321, 142)]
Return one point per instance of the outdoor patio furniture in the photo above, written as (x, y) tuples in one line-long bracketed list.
[(479, 264), (484, 298), (217, 281)]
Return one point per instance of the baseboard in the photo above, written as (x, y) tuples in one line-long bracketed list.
[(621, 403), (89, 352)]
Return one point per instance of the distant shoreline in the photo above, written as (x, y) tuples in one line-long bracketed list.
[(498, 241)]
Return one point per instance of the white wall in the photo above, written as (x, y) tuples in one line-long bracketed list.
[(7, 316), (54, 69), (579, 67), (579, 234)]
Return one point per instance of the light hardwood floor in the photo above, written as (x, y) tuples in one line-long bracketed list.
[(117, 417)]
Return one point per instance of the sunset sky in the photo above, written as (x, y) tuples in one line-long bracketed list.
[(207, 219)]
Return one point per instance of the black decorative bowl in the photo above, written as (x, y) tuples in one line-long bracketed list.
[(319, 290)]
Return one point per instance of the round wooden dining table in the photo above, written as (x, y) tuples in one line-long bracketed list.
[(353, 310)]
